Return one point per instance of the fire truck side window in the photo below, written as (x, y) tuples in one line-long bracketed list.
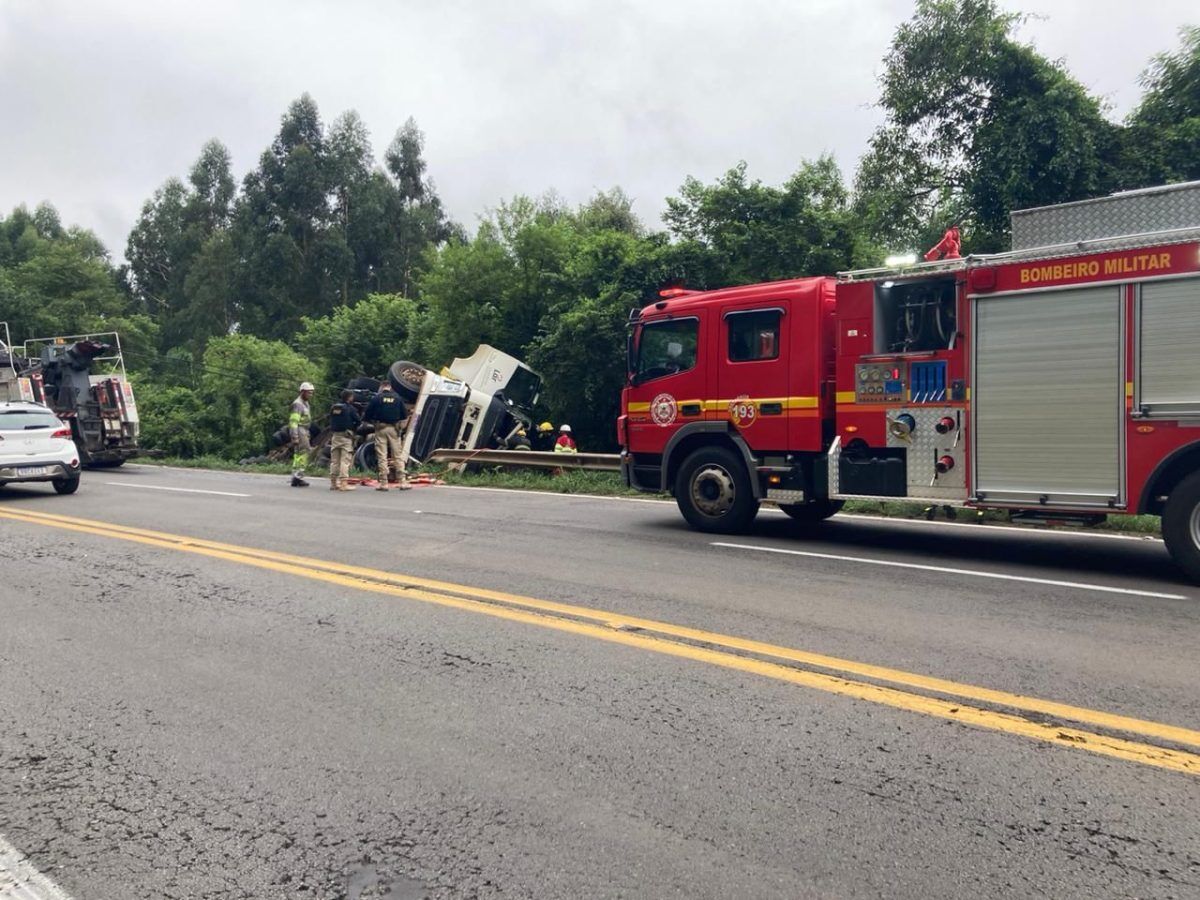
[(667, 348), (753, 335)]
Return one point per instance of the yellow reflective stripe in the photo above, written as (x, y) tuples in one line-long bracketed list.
[(846, 396), (722, 405), (1129, 389), (785, 402)]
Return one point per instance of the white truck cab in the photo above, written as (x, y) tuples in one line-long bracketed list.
[(476, 402)]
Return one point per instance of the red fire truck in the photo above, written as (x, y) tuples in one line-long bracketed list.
[(1060, 380)]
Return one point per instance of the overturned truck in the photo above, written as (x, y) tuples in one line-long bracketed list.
[(481, 402)]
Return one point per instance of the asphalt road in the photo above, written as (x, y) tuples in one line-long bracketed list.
[(186, 720)]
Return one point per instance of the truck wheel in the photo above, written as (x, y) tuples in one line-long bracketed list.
[(66, 485), (365, 458), (713, 491), (1181, 525), (406, 378), (106, 464), (811, 513)]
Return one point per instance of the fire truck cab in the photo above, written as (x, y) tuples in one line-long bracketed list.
[(1060, 380), (730, 399)]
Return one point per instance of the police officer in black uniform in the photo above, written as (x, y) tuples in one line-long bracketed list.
[(343, 422), (389, 414)]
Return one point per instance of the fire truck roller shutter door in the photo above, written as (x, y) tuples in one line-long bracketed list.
[(1168, 375), (1048, 397)]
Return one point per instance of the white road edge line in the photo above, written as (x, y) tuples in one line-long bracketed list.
[(19, 880), (982, 527), (156, 487), (952, 571)]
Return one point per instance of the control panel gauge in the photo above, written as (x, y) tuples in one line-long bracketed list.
[(879, 383)]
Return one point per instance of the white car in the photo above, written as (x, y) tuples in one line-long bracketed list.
[(35, 445)]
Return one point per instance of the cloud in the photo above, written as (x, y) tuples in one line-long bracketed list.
[(104, 101)]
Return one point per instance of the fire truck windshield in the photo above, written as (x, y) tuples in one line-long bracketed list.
[(665, 348)]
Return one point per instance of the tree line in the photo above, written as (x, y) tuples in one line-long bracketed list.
[(327, 262)]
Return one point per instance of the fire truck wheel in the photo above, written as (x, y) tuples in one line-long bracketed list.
[(1181, 525), (811, 513), (713, 491), (66, 485)]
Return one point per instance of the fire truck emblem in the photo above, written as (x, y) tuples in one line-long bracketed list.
[(743, 411), (663, 410)]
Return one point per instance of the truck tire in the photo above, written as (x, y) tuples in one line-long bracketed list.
[(406, 378), (365, 458), (714, 493), (1181, 525), (106, 464), (813, 512)]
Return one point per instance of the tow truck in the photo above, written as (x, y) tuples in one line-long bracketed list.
[(82, 379)]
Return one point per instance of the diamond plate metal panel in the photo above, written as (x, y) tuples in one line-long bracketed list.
[(1131, 212), (925, 446), (778, 495)]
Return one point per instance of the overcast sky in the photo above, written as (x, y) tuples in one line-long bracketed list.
[(102, 100)]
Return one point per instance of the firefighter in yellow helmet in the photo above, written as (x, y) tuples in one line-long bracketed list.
[(543, 438)]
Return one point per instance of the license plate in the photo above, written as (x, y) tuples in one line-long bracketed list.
[(34, 470)]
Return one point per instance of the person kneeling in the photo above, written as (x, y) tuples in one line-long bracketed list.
[(565, 443)]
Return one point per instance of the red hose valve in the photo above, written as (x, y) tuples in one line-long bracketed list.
[(944, 464), (945, 425)]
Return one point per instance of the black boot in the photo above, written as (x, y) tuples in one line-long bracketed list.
[(297, 481)]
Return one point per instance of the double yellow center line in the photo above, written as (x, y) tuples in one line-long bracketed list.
[(1041, 720)]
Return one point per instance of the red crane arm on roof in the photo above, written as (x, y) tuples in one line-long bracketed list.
[(948, 247)]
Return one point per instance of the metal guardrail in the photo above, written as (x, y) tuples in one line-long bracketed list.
[(595, 462)]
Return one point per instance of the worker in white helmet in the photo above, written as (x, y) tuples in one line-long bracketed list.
[(565, 443), (299, 419)]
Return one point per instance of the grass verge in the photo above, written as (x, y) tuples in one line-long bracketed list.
[(604, 484), (609, 484)]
